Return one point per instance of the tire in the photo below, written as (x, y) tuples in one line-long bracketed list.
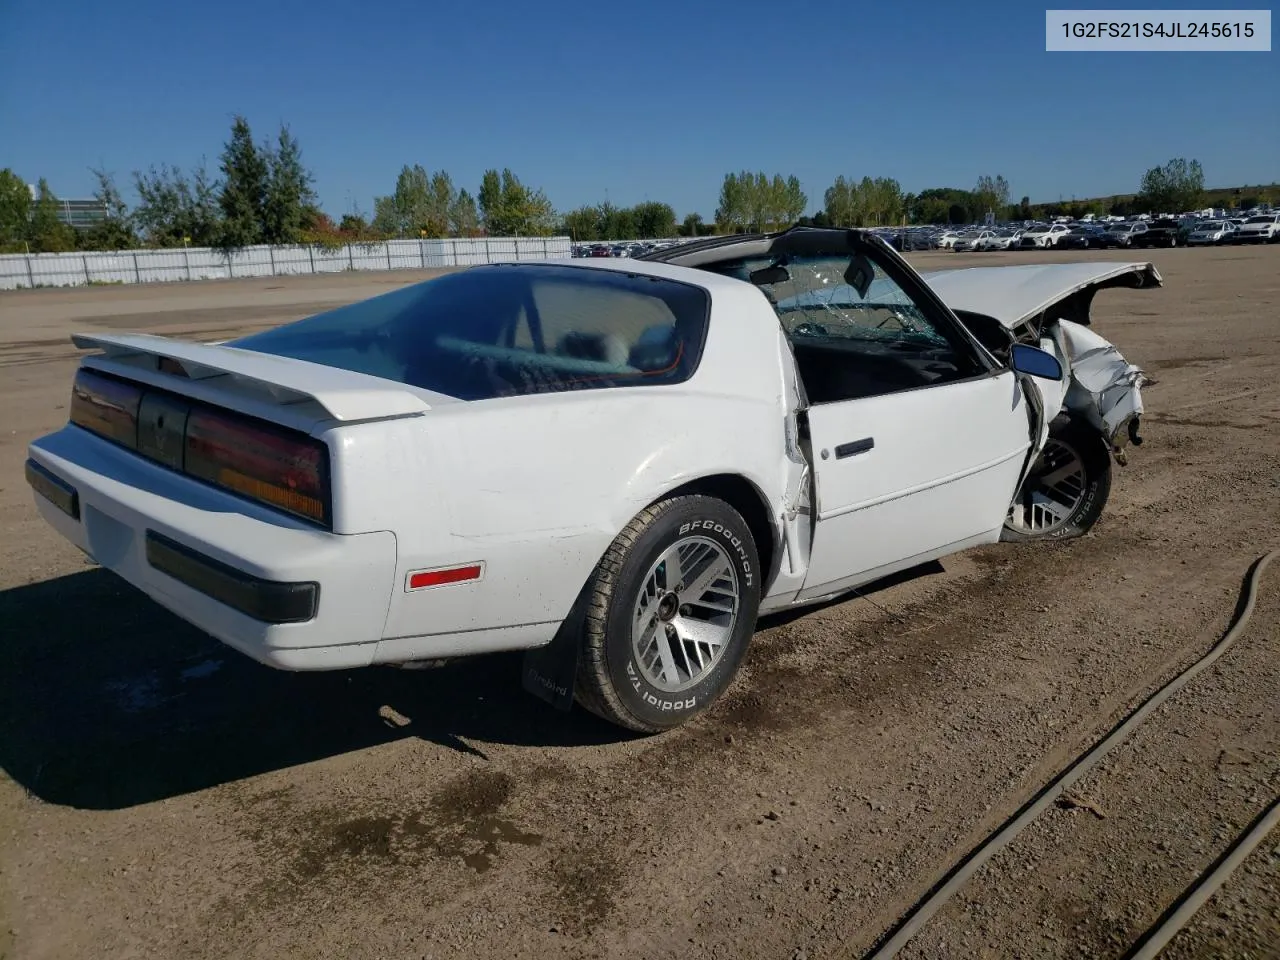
[(1173, 242), (1071, 504), (631, 672)]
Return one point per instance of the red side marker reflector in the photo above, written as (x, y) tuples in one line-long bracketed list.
[(438, 578)]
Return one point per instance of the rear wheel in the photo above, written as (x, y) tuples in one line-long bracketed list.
[(672, 608), (1066, 489)]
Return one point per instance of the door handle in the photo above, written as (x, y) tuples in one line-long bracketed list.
[(854, 447)]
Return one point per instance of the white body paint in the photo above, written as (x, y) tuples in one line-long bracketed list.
[(537, 487)]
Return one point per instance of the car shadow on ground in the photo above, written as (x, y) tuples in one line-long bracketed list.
[(107, 700)]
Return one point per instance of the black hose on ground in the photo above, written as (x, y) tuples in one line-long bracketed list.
[(919, 915)]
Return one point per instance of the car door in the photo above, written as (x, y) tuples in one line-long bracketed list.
[(905, 473)]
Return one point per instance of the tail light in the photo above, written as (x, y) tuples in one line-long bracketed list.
[(273, 465), (107, 406), (277, 467)]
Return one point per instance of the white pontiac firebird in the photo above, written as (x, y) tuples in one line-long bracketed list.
[(613, 465)]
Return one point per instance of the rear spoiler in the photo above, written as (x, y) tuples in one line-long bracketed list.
[(341, 394)]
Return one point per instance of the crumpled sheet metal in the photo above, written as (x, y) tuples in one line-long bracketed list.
[(1105, 387)]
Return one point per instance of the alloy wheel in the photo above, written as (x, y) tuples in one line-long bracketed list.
[(1053, 490), (685, 613)]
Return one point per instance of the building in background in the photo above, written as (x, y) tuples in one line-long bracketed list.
[(80, 214)]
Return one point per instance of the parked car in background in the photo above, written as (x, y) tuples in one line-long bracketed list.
[(998, 240), (1262, 228), (1043, 236), (1211, 232), (1165, 232), (1122, 234), (946, 240), (972, 240), (1083, 236)]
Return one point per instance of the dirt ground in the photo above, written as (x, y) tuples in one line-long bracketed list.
[(163, 796)]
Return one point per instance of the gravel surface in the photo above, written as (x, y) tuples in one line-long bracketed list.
[(163, 796)]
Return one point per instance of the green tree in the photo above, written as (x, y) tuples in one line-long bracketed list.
[(1174, 188), (202, 212), (160, 215), (654, 220), (582, 224), (464, 217), (734, 210), (246, 175), (884, 205), (819, 219), (115, 232), (440, 197), (757, 199), (15, 212), (990, 195), (868, 202), (46, 233), (490, 201), (794, 201), (759, 202), (838, 202), (405, 212), (509, 208), (289, 201), (944, 205), (174, 210), (616, 223), (691, 226), (354, 226)]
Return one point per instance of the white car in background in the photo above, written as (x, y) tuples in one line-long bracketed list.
[(615, 466), (947, 239), (1261, 228), (1211, 232), (1042, 236), (998, 240), (972, 240)]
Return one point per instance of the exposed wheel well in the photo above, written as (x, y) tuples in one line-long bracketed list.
[(741, 494)]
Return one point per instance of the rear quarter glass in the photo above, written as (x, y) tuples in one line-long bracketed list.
[(511, 329)]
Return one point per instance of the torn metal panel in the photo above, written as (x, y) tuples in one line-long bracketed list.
[(1104, 387)]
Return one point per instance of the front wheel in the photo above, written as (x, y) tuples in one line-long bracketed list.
[(672, 608), (1066, 489)]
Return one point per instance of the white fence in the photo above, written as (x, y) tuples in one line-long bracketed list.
[(204, 263)]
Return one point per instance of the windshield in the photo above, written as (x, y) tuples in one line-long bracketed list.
[(1271, 219), (1210, 225), (510, 330), (816, 301)]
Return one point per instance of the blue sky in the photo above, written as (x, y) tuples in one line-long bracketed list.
[(640, 98)]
